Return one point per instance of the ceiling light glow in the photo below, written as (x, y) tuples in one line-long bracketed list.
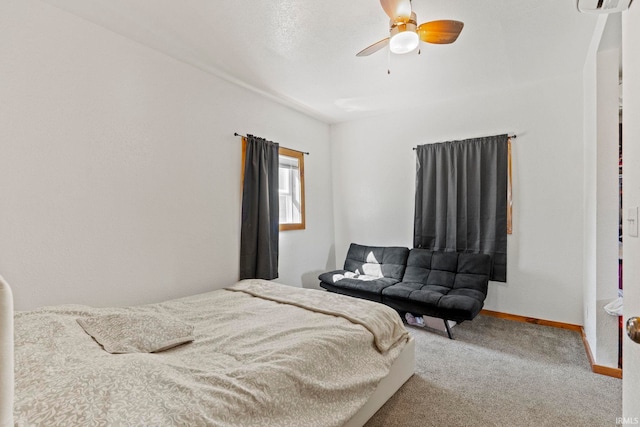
[(404, 42)]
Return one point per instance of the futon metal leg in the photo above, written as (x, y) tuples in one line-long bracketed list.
[(446, 325)]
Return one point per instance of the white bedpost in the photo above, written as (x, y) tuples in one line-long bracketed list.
[(6, 354)]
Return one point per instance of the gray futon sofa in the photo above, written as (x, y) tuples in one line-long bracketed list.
[(447, 285)]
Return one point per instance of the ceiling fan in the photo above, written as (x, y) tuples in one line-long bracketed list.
[(405, 34)]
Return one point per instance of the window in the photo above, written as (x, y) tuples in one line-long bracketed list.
[(291, 187)]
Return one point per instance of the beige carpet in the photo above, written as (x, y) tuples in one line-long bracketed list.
[(502, 373)]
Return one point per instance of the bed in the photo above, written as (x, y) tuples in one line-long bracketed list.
[(258, 354)]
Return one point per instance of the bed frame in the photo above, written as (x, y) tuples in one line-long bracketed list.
[(401, 369)]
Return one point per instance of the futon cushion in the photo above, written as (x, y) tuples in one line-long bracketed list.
[(443, 284), (367, 271), (387, 261)]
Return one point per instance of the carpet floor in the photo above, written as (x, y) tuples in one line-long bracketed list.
[(502, 373)]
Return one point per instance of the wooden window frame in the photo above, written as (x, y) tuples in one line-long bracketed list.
[(300, 157)]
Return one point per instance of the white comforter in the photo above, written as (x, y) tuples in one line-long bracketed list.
[(264, 355)]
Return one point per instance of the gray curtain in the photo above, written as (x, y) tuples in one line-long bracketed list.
[(260, 219), (461, 199)]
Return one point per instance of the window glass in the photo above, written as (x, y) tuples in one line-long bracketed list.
[(291, 186)]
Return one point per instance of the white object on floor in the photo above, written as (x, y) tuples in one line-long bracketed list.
[(606, 6), (414, 321), (437, 323), (614, 308)]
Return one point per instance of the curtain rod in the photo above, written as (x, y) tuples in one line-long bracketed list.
[(508, 136), (298, 151)]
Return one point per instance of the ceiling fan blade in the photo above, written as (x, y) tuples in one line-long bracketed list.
[(397, 9), (374, 47), (440, 32)]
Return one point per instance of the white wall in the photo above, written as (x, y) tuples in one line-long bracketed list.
[(631, 198), (608, 193), (608, 211), (119, 171), (590, 185), (374, 172)]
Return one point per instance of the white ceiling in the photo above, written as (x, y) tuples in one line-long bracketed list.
[(302, 52)]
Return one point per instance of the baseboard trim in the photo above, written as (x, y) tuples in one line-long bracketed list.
[(533, 320), (608, 371), (598, 369)]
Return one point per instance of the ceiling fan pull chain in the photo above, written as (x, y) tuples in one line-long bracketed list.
[(388, 61)]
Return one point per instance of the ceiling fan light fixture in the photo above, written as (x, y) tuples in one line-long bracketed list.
[(404, 42), (403, 35)]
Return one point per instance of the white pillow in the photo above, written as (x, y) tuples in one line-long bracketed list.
[(137, 333)]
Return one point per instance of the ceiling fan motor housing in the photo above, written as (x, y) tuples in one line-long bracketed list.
[(399, 25)]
